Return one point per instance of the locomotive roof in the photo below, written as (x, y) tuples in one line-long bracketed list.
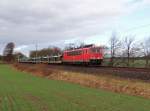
[(85, 46), (82, 47)]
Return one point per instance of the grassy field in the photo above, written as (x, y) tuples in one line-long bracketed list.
[(24, 92), (139, 63)]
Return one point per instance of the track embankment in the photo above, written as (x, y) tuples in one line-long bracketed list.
[(123, 72), (101, 78)]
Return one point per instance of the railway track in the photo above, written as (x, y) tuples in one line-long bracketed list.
[(112, 68), (125, 68), (102, 67), (124, 72)]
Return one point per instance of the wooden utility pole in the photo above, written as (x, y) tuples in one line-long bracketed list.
[(36, 53)]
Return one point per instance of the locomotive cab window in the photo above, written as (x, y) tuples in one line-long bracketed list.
[(95, 50)]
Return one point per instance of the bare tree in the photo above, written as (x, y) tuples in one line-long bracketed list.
[(8, 52), (146, 51), (51, 51), (79, 44), (70, 46), (9, 49), (129, 50), (18, 55), (74, 45), (115, 44)]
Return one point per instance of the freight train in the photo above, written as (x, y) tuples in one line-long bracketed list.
[(88, 55)]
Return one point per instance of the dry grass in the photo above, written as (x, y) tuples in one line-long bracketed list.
[(108, 82)]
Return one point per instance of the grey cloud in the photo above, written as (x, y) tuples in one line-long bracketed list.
[(50, 21)]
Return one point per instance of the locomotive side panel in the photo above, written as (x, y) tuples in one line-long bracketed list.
[(90, 55)]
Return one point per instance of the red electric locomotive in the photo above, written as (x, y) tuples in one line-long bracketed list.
[(88, 54)]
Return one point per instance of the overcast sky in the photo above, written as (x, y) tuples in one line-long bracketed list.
[(58, 22)]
